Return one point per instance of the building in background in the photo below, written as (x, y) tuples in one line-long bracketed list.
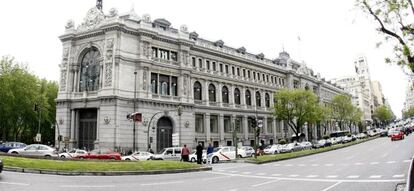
[(409, 95), (189, 90)]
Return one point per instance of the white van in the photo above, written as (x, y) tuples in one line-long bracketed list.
[(170, 153)]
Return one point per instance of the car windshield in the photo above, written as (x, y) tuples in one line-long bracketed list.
[(216, 149), (162, 151), (268, 147)]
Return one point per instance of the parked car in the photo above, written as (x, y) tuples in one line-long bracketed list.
[(321, 143), (383, 133), (170, 153), (397, 135), (5, 147), (361, 136), (139, 155), (273, 149), (103, 153), (291, 147), (35, 150), (245, 151), (347, 139), (305, 145), (72, 153), (193, 156), (223, 154)]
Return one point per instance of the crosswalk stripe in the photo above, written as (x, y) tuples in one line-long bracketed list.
[(373, 163), (398, 176), (353, 176), (375, 176), (293, 175), (311, 176), (331, 176), (276, 174)]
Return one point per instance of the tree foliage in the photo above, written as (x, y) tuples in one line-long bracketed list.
[(297, 107), (383, 114), (342, 109), (394, 18), (409, 113), (19, 92)]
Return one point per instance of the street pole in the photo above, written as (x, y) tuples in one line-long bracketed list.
[(179, 111), (235, 137), (135, 97)]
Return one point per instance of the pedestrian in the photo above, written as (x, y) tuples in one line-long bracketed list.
[(184, 153), (199, 153), (209, 153)]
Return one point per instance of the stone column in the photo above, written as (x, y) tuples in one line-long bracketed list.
[(243, 97), (219, 96), (207, 126), (205, 92), (274, 129), (265, 125), (221, 128), (72, 125), (231, 96), (245, 128)]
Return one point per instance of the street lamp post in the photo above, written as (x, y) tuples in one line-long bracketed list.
[(134, 128), (180, 112)]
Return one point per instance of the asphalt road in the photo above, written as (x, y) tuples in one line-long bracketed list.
[(374, 165)]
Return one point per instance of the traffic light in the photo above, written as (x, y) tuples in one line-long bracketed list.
[(257, 132), (253, 123)]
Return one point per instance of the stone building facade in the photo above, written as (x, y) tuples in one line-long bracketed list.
[(111, 58)]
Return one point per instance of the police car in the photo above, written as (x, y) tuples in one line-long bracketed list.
[(223, 154)]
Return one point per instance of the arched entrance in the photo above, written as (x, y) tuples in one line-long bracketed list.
[(164, 133)]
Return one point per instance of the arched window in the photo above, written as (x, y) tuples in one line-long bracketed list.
[(90, 71), (225, 94), (267, 100), (153, 86), (248, 98), (212, 93), (258, 99), (197, 91), (237, 96), (164, 88)]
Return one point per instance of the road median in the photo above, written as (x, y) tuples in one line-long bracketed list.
[(97, 168), (285, 156)]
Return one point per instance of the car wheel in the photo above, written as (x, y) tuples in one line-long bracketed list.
[(240, 156), (215, 159), (128, 159), (275, 152), (193, 159), (63, 156), (81, 158), (47, 156), (14, 152)]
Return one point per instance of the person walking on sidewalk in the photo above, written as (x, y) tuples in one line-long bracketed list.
[(185, 153), (199, 153), (209, 154)]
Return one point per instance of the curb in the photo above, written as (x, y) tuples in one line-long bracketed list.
[(103, 173), (276, 160)]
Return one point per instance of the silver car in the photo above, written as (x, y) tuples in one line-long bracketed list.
[(35, 150)]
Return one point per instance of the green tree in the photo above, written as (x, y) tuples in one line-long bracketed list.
[(297, 107), (356, 117), (394, 20), (409, 113), (325, 117), (342, 109), (383, 114), (20, 91)]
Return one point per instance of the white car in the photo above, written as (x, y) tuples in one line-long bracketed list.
[(35, 150), (245, 151), (170, 153), (306, 145), (223, 154), (193, 157), (272, 149), (139, 155), (73, 153)]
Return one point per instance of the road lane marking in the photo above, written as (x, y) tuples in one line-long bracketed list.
[(374, 163), (87, 186), (390, 162), (214, 178), (312, 176), (407, 161), (328, 164), (332, 176), (162, 183), (312, 180), (315, 164), (398, 176), (276, 165), (288, 165), (233, 190), (332, 186), (233, 171), (352, 176), (260, 173), (358, 163), (293, 175), (264, 183), (276, 174), (15, 183), (246, 172), (375, 176)]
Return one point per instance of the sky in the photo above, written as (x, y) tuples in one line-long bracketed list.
[(332, 33)]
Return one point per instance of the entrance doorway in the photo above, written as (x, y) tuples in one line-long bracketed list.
[(87, 128), (164, 133)]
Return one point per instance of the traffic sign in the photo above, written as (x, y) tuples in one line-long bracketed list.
[(38, 137), (260, 123)]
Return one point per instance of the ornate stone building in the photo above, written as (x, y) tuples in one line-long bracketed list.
[(111, 58)]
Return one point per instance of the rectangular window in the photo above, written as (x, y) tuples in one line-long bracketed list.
[(174, 86), (164, 54), (227, 69), (232, 70), (214, 124), (244, 72), (269, 125), (164, 84), (258, 76), (254, 75), (249, 124), (272, 78), (200, 63), (208, 64), (227, 124), (239, 124), (214, 66), (248, 74), (229, 143), (267, 78), (174, 56), (238, 71), (154, 52), (199, 123), (263, 77), (154, 83), (193, 61), (221, 67)]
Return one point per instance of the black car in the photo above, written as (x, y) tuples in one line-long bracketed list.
[(1, 165)]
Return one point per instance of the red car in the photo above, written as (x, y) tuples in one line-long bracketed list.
[(397, 135), (106, 154)]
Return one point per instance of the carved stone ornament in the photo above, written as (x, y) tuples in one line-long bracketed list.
[(108, 74), (184, 28), (70, 24), (187, 124), (107, 120), (185, 84), (63, 80), (65, 53), (146, 18), (145, 49), (144, 79), (93, 19), (113, 13)]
